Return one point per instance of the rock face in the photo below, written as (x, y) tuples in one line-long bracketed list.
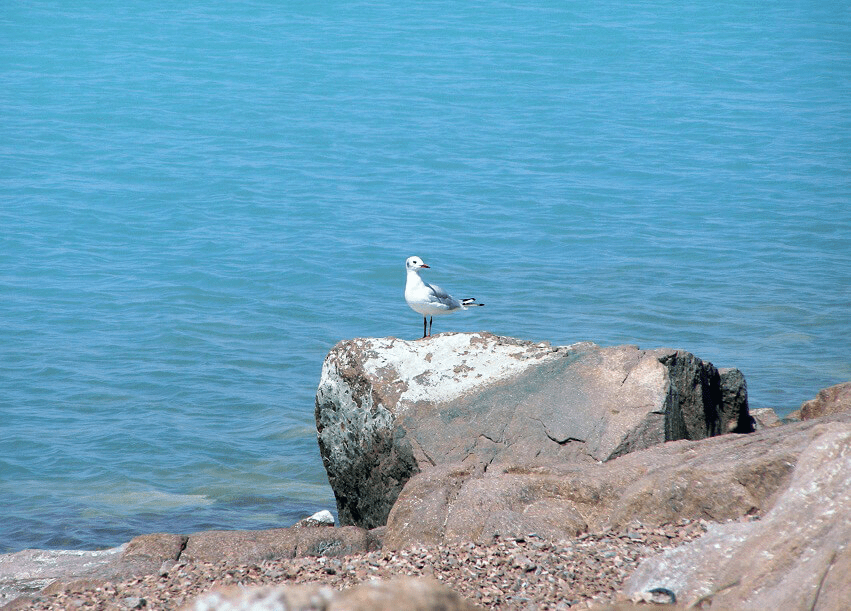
[(247, 546), (723, 478), (764, 418), (797, 556), (832, 400), (387, 409), (735, 415), (408, 593)]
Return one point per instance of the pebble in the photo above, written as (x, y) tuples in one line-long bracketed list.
[(512, 574)]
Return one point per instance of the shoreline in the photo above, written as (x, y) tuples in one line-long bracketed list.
[(511, 573), (749, 487)]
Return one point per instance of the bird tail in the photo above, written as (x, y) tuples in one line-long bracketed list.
[(470, 301)]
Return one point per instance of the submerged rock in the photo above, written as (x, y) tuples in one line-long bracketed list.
[(386, 409)]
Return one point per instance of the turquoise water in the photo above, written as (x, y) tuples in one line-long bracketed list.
[(197, 201)]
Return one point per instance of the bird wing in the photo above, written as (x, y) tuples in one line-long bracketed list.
[(438, 295)]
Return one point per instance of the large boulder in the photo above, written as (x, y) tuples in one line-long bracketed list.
[(796, 557), (718, 479), (388, 408)]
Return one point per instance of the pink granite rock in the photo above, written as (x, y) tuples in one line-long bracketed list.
[(796, 557), (722, 478), (387, 409), (832, 400)]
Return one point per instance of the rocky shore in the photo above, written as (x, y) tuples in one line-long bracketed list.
[(475, 471), (519, 573)]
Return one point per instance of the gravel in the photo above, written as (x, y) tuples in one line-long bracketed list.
[(522, 573)]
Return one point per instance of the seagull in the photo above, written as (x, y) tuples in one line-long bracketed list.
[(429, 299)]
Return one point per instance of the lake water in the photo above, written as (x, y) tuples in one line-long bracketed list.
[(197, 201)]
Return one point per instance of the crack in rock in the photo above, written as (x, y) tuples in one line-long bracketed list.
[(560, 442)]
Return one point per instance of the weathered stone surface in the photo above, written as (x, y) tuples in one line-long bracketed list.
[(832, 400), (734, 401), (797, 556), (254, 546), (403, 594), (145, 554), (717, 479), (765, 418), (386, 408), (367, 384)]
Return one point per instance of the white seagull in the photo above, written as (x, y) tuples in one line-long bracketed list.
[(429, 299)]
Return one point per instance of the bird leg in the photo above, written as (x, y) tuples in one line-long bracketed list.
[(427, 325)]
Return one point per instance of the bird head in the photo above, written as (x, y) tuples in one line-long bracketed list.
[(414, 263)]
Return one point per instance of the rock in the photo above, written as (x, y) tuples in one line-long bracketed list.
[(387, 408), (320, 518), (832, 400), (795, 557), (402, 594), (450, 504), (26, 573), (146, 554), (734, 401), (722, 478), (656, 596), (367, 384), (254, 546), (29, 571), (765, 417), (634, 606)]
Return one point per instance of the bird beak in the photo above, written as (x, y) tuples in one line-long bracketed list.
[(424, 265)]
